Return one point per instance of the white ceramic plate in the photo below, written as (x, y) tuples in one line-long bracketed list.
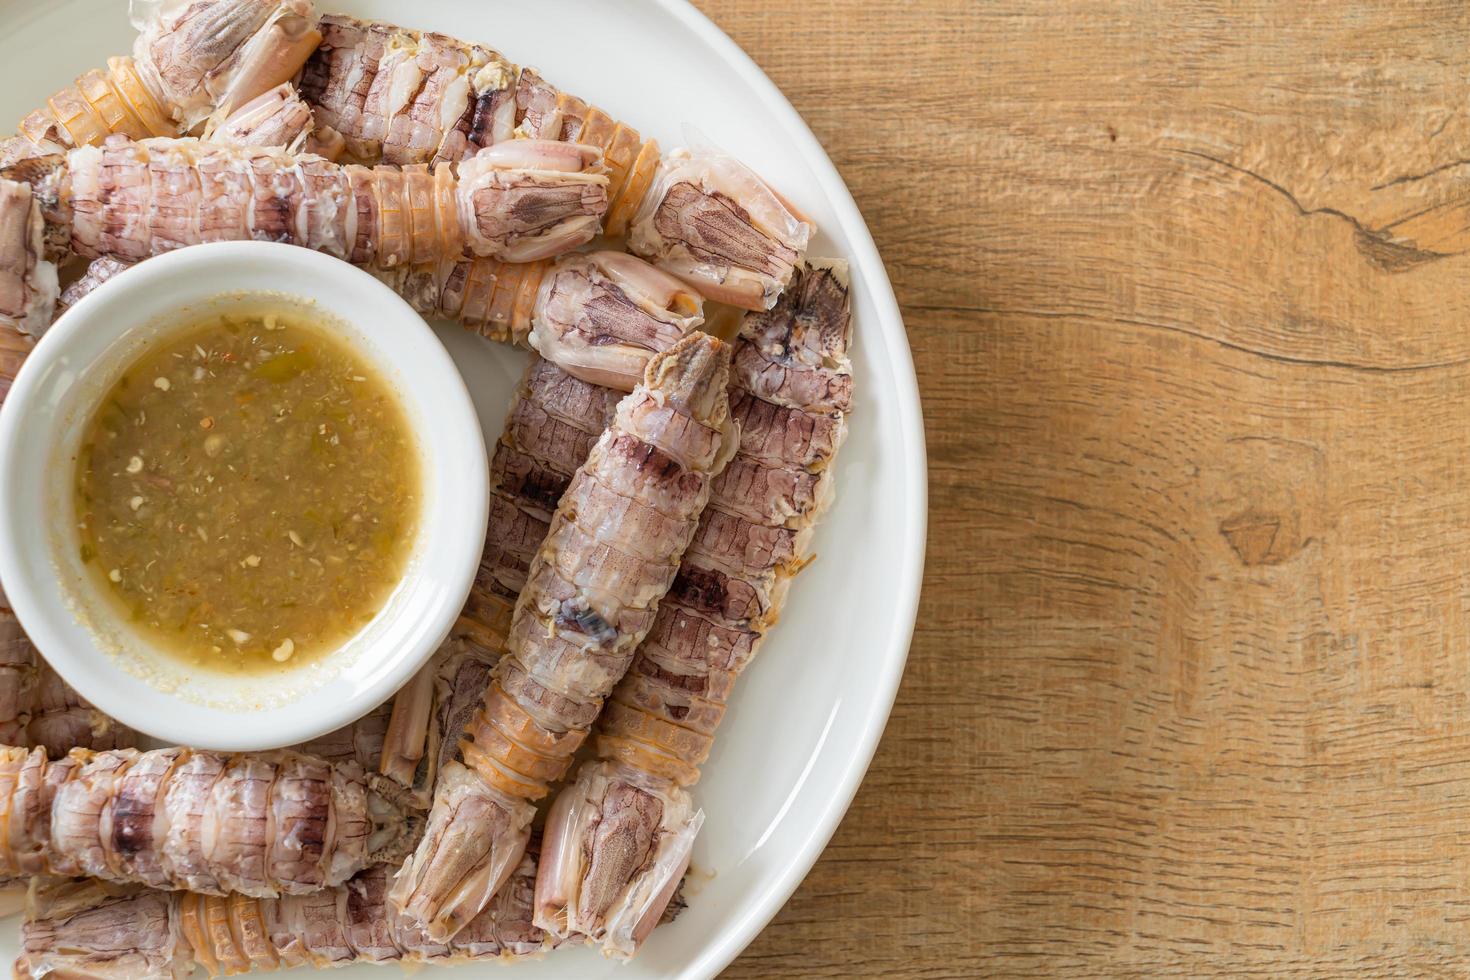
[(807, 716)]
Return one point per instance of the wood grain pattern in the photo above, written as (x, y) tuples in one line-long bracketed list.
[(1187, 287)]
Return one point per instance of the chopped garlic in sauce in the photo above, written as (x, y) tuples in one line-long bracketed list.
[(259, 482)]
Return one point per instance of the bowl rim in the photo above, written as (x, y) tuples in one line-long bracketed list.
[(870, 274), (446, 560)]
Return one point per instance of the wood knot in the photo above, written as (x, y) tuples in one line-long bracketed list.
[(1261, 539), (1268, 498)]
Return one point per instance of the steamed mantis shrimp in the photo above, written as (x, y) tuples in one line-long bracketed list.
[(591, 591), (356, 747), (38, 709), (261, 824), (54, 716), (519, 201), (501, 173), (192, 59), (101, 930), (108, 932), (410, 97), (598, 316), (618, 839), (105, 929), (278, 118), (554, 420)]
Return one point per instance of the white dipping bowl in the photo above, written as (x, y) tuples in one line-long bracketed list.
[(59, 603)]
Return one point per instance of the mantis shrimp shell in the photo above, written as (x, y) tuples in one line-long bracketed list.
[(545, 112), (610, 552), (260, 824), (618, 839), (553, 422), (112, 932), (17, 680), (355, 747), (129, 200), (598, 316), (278, 118), (701, 216), (28, 280), (409, 97), (59, 720), (192, 58), (493, 298), (404, 96), (205, 56), (714, 223), (100, 103), (97, 272), (602, 316), (552, 425), (89, 928), (38, 708)]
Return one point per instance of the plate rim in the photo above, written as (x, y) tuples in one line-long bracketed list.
[(722, 950)]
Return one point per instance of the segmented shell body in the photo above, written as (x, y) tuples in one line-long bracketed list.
[(403, 96), (130, 200), (192, 58), (28, 280), (493, 298), (121, 932), (553, 423), (357, 746), (591, 590), (618, 840), (260, 824), (622, 523), (791, 391)]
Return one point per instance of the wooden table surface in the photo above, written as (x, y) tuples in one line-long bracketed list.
[(1186, 285)]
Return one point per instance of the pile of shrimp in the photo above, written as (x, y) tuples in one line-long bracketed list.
[(663, 464)]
